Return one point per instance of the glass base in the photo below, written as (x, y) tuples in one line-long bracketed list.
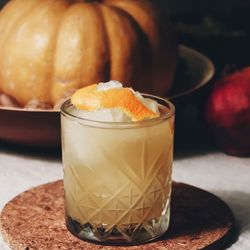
[(120, 235)]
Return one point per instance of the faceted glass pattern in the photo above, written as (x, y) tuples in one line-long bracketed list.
[(117, 179)]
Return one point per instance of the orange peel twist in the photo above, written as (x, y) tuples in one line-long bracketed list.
[(92, 99)]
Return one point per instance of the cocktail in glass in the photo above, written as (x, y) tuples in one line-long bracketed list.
[(117, 176)]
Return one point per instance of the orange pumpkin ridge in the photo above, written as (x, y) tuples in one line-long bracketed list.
[(50, 47)]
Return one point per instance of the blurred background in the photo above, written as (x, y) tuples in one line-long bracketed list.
[(220, 30)]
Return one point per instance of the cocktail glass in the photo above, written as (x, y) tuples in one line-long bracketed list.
[(117, 176)]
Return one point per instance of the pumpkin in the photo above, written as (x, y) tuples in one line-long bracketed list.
[(51, 47)]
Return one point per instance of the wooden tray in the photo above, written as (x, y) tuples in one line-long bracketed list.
[(35, 220)]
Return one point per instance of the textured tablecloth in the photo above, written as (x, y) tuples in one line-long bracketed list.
[(226, 176)]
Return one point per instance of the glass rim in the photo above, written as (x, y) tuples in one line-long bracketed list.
[(107, 124)]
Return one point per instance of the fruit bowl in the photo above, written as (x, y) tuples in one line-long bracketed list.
[(41, 128), (194, 72)]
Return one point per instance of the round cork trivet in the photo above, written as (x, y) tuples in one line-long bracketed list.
[(35, 220)]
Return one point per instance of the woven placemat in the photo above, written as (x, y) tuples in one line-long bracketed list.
[(35, 220)]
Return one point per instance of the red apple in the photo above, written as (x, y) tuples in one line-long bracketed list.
[(228, 113)]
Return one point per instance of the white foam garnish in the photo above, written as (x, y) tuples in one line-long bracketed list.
[(109, 85), (115, 114)]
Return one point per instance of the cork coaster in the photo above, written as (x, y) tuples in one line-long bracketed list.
[(35, 220)]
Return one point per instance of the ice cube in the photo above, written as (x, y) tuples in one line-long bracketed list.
[(102, 115), (149, 103), (109, 85), (119, 116)]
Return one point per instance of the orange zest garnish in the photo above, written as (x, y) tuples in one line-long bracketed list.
[(91, 99)]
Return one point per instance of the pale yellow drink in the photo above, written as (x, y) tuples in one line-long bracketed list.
[(117, 176)]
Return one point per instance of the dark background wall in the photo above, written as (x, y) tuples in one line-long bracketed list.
[(221, 7), (2, 2)]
